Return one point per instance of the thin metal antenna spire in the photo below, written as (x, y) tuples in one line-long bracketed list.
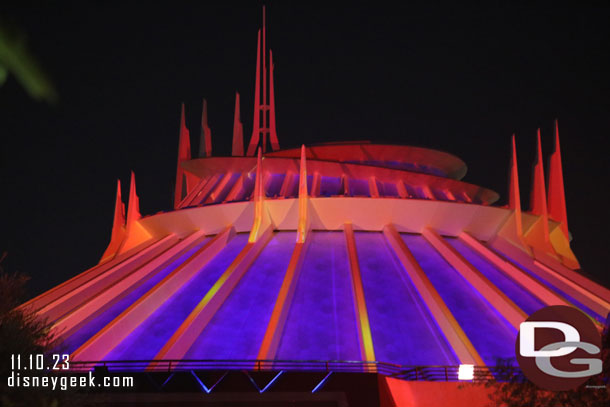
[(238, 131), (263, 130), (205, 139)]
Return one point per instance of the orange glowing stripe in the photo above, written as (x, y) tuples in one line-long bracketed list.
[(87, 310), (236, 189), (190, 329), (280, 311), (374, 191), (401, 189), (504, 305), (96, 347), (194, 192), (200, 193), (54, 293), (537, 289), (75, 298), (532, 266), (275, 327), (577, 278), (583, 295), (186, 324), (302, 226), (287, 183), (453, 332), (258, 197), (258, 220), (213, 196), (315, 183), (366, 339)]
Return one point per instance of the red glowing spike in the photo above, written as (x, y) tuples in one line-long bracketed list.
[(184, 154), (257, 102), (272, 132), (264, 109), (184, 149), (118, 226), (238, 131), (119, 209), (538, 200), (514, 196), (135, 234), (538, 193), (205, 141), (133, 210), (556, 193)]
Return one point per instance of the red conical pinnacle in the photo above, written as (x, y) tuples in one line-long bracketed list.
[(133, 210), (556, 193), (184, 154), (538, 194), (514, 196), (205, 141), (238, 131)]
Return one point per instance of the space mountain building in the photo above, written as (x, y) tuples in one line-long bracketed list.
[(338, 258)]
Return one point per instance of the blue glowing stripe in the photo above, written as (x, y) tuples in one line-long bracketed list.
[(167, 380), (322, 382), (201, 384), (268, 384), (205, 388)]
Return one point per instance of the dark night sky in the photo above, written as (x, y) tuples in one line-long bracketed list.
[(459, 80)]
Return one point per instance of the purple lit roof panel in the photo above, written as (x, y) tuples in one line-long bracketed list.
[(321, 323), (490, 334), (275, 184), (100, 321), (166, 319), (519, 295), (401, 326), (238, 328), (575, 302)]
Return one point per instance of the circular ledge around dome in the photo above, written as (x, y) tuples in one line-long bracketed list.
[(415, 159)]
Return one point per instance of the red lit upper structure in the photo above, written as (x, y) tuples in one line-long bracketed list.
[(334, 252)]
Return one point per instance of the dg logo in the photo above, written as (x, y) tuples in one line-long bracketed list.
[(559, 348)]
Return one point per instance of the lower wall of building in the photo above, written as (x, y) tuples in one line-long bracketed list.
[(401, 393)]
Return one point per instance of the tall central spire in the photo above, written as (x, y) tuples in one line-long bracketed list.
[(265, 109)]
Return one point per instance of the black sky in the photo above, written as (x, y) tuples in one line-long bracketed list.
[(455, 79)]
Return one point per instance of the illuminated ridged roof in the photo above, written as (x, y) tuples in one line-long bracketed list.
[(347, 251)]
